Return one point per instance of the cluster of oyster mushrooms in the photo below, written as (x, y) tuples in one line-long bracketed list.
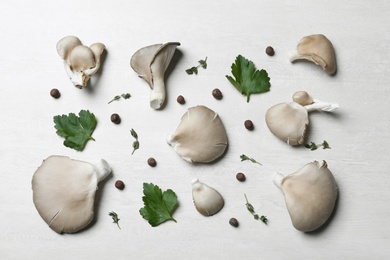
[(64, 189)]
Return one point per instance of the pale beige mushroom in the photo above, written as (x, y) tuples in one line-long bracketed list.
[(150, 63), (289, 120), (80, 62), (64, 192), (207, 200), (318, 49), (200, 136), (310, 194)]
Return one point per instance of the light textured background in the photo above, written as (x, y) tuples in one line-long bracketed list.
[(358, 133)]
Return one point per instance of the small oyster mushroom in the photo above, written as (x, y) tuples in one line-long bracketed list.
[(200, 136), (310, 194), (64, 192), (318, 49), (207, 200), (150, 63), (80, 62), (289, 120)]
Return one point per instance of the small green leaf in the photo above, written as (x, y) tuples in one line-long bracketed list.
[(136, 142), (114, 218), (246, 158)]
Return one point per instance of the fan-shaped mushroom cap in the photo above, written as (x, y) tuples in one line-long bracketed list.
[(288, 121), (66, 45), (81, 58), (318, 49), (150, 63), (310, 194), (200, 136), (303, 98), (207, 200), (64, 192)]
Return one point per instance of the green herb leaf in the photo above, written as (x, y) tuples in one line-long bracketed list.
[(136, 142), (194, 70), (77, 130), (158, 206), (246, 158), (124, 96), (114, 218), (247, 79), (252, 211), (313, 146)]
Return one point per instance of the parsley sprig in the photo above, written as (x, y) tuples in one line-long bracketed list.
[(313, 146), (194, 69), (251, 209)]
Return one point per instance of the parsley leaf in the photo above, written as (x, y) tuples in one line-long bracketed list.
[(77, 130), (158, 206), (247, 79)]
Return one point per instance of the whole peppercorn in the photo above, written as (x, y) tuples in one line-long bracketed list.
[(233, 222), (180, 99), (115, 118), (240, 176), (270, 51), (217, 94), (55, 93), (152, 162), (248, 125), (119, 185)]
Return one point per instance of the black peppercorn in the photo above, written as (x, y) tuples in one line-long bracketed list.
[(152, 162), (233, 222), (119, 185), (270, 51), (180, 99), (217, 94), (248, 124), (115, 118), (240, 176), (55, 93)]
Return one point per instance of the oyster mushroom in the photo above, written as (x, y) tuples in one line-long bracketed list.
[(150, 63), (289, 120), (80, 61), (200, 136), (318, 49), (64, 192), (207, 200), (310, 194)]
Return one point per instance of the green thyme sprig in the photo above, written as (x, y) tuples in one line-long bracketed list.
[(251, 209), (243, 157), (124, 96), (114, 218), (313, 146), (194, 70), (136, 142)]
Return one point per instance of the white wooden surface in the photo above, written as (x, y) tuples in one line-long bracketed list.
[(358, 133)]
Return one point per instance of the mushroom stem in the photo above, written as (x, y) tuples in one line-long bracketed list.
[(320, 105), (157, 94), (278, 180), (102, 170)]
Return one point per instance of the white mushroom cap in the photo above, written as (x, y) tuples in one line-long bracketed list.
[(318, 49), (150, 63), (303, 98), (310, 194), (207, 200), (80, 61), (200, 136), (288, 121), (64, 192)]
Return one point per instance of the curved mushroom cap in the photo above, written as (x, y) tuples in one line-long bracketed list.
[(288, 121), (64, 192), (318, 49), (81, 58), (303, 98), (97, 48), (310, 194), (200, 136), (207, 200), (66, 45)]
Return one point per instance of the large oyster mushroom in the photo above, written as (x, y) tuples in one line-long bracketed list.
[(64, 192), (310, 194), (289, 120), (200, 136), (150, 63)]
